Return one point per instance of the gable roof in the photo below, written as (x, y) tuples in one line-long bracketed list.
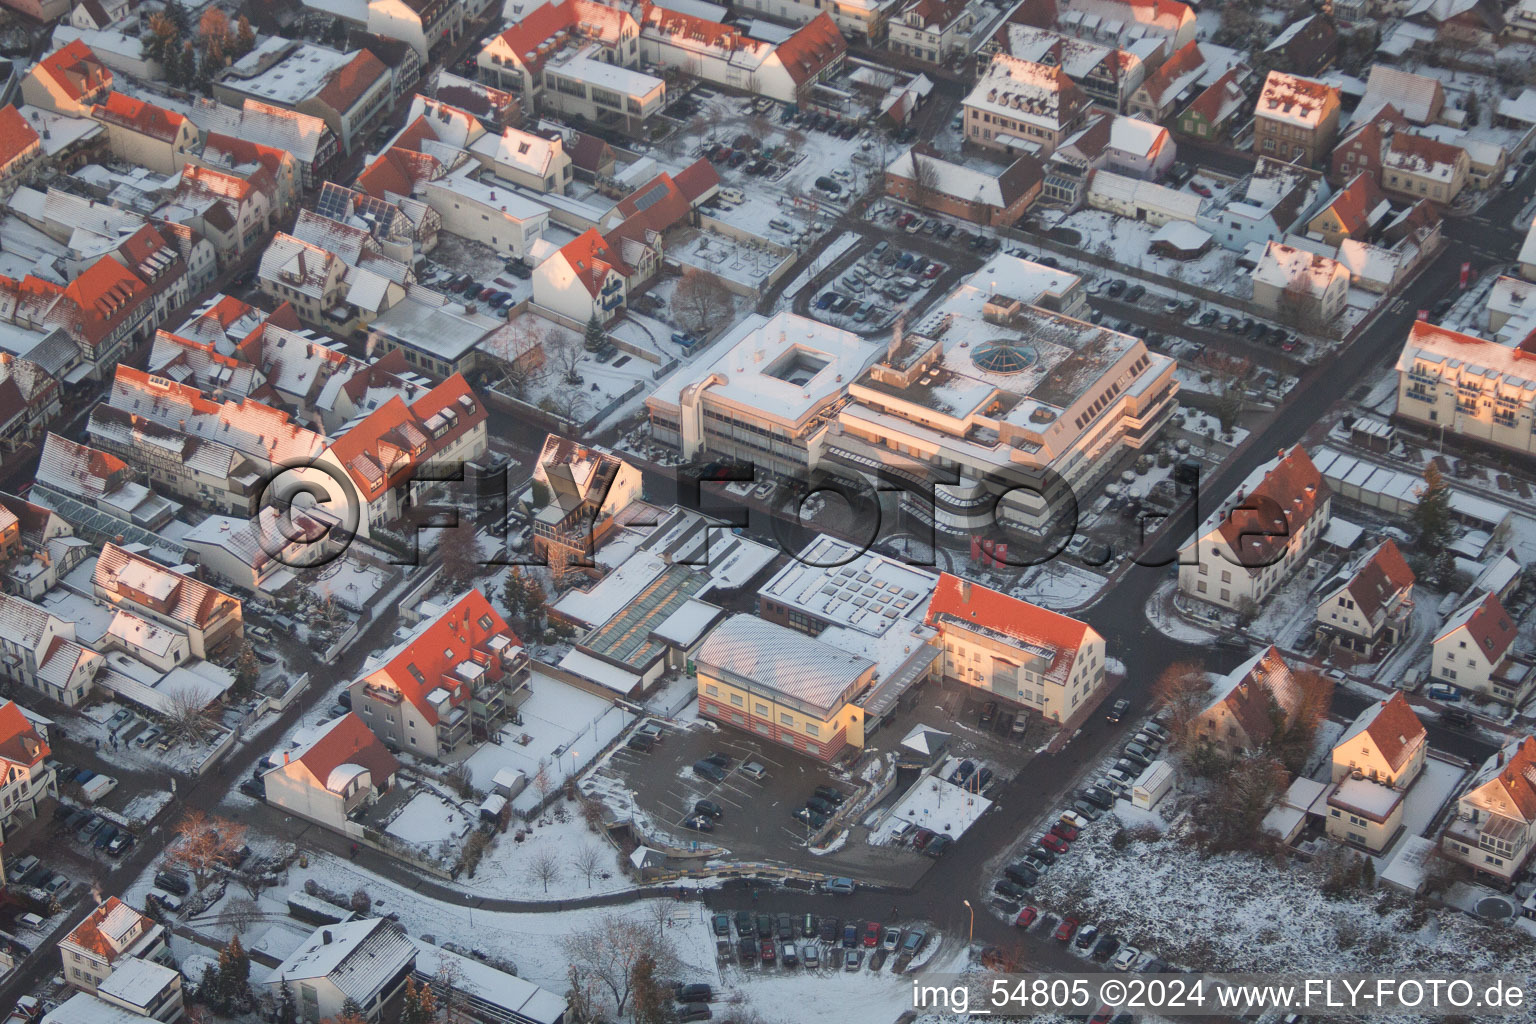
[(346, 742), (1392, 727), (104, 931), (75, 69), (1219, 100), (972, 606), (1358, 205), (1490, 626), (359, 957), (347, 85), (812, 48), (1384, 575), (468, 632), (16, 135), (20, 743), (1175, 73), (1419, 154), (385, 447), (1285, 499), (132, 577), (1512, 790), (591, 258), (1249, 689), (144, 118)]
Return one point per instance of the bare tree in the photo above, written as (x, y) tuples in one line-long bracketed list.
[(702, 301), (1229, 374), (543, 782), (924, 183), (186, 715), (588, 859), (203, 842), (1182, 689), (1299, 307), (607, 951), (448, 986), (546, 867), (241, 913), (563, 353)]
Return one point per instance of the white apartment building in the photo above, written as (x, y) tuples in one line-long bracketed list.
[(1475, 651), (1021, 106), (1028, 656), (1250, 545), (1477, 390), (865, 20), (725, 55), (112, 933), (25, 778), (1494, 830)]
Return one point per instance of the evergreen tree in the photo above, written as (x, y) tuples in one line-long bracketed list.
[(1432, 520), (178, 16), (1368, 875), (245, 38), (286, 1012), (234, 974), (208, 990), (418, 1006), (596, 337), (349, 1006)]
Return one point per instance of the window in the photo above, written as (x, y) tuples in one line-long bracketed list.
[(710, 689), (787, 719), (736, 700), (761, 710), (812, 729)]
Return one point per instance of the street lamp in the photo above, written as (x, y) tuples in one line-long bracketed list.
[(970, 934)]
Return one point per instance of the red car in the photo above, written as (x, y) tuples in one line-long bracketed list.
[(872, 934), (922, 839), (767, 953), (1200, 190), (1026, 917), (1103, 1016), (1065, 831), (933, 271), (904, 220), (1055, 844), (1066, 929)]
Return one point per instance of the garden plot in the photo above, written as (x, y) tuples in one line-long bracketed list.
[(1129, 242), (575, 383), (584, 863), (1240, 912), (563, 730), (428, 819)]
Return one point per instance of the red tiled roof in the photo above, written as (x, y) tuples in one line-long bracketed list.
[(1385, 575), (397, 170), (88, 935), (75, 69), (973, 606), (810, 50), (458, 636), (1259, 528), (525, 37), (349, 741), (1518, 778), (1419, 154), (417, 132), (1490, 626), (187, 600), (1249, 700), (696, 179), (16, 135), (385, 448), (591, 258), (1186, 59), (695, 29), (345, 86), (1395, 730), (1355, 201), (104, 293), (19, 740), (1211, 99), (144, 118)]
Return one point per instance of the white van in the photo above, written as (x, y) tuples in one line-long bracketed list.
[(733, 195), (32, 921)]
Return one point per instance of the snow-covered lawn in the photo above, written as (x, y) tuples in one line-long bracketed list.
[(1129, 242), (563, 730), (505, 871), (1059, 585), (1240, 912), (428, 819)]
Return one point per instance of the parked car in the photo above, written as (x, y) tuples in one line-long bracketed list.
[(1123, 959), (853, 959), (1010, 890), (962, 772), (1105, 949), (1087, 810), (831, 795), (840, 886), (891, 939), (1026, 917), (1101, 798), (697, 992), (1118, 709), (871, 933), (815, 819), (789, 956), (823, 807), (1065, 930), (708, 808), (937, 846), (988, 712), (1137, 750), (641, 742), (831, 928), (1054, 843), (709, 770), (811, 954), (850, 935), (765, 951), (913, 943), (694, 1011)]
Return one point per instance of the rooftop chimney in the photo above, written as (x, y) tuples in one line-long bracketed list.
[(325, 937)]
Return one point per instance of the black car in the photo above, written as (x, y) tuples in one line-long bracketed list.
[(746, 952), (1011, 891), (786, 928), (174, 882), (764, 926), (708, 808), (1099, 798), (641, 742), (1115, 288), (1108, 946), (254, 788), (1043, 855), (698, 992), (812, 818), (694, 1011), (834, 796), (709, 770), (937, 845), (1135, 292), (720, 760), (962, 772), (744, 925), (1087, 935), (1118, 709), (831, 927), (1021, 873), (820, 806)]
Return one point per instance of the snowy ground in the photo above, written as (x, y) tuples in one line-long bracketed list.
[(1129, 242), (824, 259), (938, 805), (741, 262), (428, 820), (1058, 585), (505, 870), (563, 730), (1238, 912)]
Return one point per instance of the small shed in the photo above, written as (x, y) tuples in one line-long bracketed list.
[(1152, 786), (508, 782), (492, 808), (1181, 240)]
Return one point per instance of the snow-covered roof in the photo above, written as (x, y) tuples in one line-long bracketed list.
[(358, 957), (615, 677), (1182, 235), (836, 582), (1137, 137), (1296, 100), (136, 981), (771, 658), (1283, 266), (487, 987), (1374, 800)]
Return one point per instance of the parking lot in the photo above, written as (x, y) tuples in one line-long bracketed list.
[(757, 821), (760, 939)]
